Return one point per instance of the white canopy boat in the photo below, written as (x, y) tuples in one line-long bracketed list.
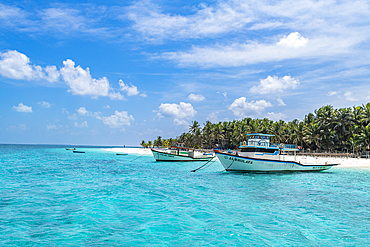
[(178, 152), (258, 154)]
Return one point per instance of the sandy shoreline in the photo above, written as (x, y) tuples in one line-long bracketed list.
[(344, 162)]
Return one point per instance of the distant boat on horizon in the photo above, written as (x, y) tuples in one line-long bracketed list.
[(121, 154), (70, 148)]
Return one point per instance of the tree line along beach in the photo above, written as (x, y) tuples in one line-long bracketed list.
[(329, 133)]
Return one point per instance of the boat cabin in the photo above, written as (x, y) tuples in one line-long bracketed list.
[(178, 148), (260, 146)]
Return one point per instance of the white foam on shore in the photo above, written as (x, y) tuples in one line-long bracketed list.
[(344, 162)]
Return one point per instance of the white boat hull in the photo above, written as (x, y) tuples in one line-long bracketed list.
[(164, 156), (234, 163)]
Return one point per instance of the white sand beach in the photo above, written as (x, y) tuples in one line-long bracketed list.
[(344, 162), (141, 151)]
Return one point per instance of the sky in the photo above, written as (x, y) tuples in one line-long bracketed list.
[(119, 72)]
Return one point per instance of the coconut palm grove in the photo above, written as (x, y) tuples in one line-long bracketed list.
[(326, 130)]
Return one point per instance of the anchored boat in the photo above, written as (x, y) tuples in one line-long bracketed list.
[(258, 154), (178, 152)]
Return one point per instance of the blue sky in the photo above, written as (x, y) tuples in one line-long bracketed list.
[(118, 72)]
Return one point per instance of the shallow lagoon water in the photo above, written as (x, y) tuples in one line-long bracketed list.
[(51, 197)]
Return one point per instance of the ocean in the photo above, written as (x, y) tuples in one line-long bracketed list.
[(53, 197)]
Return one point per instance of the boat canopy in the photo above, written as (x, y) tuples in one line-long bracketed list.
[(258, 140)]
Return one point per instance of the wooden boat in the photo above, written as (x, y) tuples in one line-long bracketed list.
[(258, 154), (70, 148), (79, 152), (178, 152)]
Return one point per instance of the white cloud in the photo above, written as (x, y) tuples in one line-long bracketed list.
[(131, 90), (152, 24), (179, 112), (116, 96), (44, 104), (254, 52), (275, 85), (53, 127), (80, 81), (22, 108), (332, 93), (177, 121), (196, 97), (212, 117), (276, 116), (281, 102), (349, 96), (118, 120), (81, 125), (82, 111), (294, 40), (15, 65), (241, 108)]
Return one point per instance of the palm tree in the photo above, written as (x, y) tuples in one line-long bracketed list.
[(143, 144), (364, 137)]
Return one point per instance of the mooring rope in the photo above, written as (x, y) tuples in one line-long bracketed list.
[(230, 165), (202, 165)]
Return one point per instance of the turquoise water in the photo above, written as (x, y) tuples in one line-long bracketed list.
[(53, 197)]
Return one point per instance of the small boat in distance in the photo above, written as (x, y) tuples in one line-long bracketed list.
[(258, 154), (79, 152), (70, 148), (178, 152), (121, 154)]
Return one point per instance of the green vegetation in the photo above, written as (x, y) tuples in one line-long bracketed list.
[(327, 129)]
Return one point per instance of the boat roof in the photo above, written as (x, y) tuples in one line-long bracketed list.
[(259, 134)]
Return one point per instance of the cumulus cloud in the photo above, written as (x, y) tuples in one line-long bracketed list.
[(131, 90), (118, 120), (212, 117), (82, 111), (85, 113), (294, 40), (44, 104), (275, 85), (276, 116), (241, 108), (15, 65), (196, 97), (180, 112), (81, 82), (22, 108), (81, 125)]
